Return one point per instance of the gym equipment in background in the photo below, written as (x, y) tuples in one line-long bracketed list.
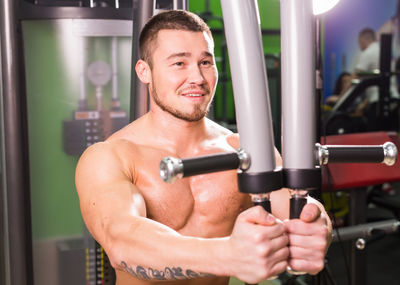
[(386, 117), (341, 176), (89, 126), (47, 37)]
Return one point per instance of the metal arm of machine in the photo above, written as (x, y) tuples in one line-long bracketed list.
[(172, 168), (251, 96), (365, 230), (386, 154)]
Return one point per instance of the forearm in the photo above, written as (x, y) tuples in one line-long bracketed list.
[(151, 251)]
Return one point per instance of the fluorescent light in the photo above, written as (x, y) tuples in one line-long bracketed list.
[(322, 6)]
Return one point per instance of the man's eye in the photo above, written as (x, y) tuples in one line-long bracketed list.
[(180, 63), (206, 62)]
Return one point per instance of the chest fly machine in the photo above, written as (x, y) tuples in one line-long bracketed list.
[(302, 156)]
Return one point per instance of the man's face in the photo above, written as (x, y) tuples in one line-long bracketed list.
[(183, 75), (362, 43)]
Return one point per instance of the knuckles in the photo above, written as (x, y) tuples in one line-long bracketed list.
[(259, 238), (264, 250), (269, 258), (317, 267)]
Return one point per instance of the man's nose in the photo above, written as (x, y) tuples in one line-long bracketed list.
[(196, 75)]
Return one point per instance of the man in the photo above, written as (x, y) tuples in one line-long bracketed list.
[(198, 230), (369, 57), (368, 62)]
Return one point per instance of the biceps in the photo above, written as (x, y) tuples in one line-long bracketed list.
[(109, 204), (118, 199)]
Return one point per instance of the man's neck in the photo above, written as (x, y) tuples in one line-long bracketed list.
[(179, 136)]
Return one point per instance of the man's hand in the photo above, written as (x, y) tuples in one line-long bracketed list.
[(308, 240), (258, 246)]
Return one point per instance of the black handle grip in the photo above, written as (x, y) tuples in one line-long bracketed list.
[(172, 168), (356, 154), (296, 206), (210, 163), (266, 204), (385, 153)]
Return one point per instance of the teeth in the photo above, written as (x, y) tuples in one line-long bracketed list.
[(194, 95)]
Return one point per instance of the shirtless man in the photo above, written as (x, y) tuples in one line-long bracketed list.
[(198, 230)]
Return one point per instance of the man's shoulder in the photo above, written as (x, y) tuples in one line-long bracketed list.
[(233, 140), (220, 132), (369, 59), (130, 139), (375, 46), (219, 129), (109, 151), (372, 51)]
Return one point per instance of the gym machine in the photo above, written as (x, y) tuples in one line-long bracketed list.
[(16, 262), (302, 155), (386, 114), (91, 125), (258, 174)]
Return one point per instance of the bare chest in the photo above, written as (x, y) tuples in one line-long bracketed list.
[(204, 205)]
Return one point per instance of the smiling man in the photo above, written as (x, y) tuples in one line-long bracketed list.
[(175, 60), (199, 230)]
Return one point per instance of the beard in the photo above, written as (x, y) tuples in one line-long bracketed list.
[(196, 115)]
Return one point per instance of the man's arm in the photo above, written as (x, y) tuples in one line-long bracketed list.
[(115, 214)]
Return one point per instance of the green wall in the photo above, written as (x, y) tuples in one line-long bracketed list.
[(269, 16), (270, 20), (53, 62)]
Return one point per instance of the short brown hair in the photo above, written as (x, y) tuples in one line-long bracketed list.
[(368, 34), (168, 20)]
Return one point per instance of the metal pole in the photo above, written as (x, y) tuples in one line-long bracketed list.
[(82, 80), (298, 93), (181, 4), (18, 236), (317, 194), (365, 230), (250, 85), (318, 77), (358, 214), (114, 63), (385, 58), (3, 208), (139, 105)]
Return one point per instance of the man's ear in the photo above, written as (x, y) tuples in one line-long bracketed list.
[(143, 71)]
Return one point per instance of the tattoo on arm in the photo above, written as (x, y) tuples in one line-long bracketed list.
[(169, 273)]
